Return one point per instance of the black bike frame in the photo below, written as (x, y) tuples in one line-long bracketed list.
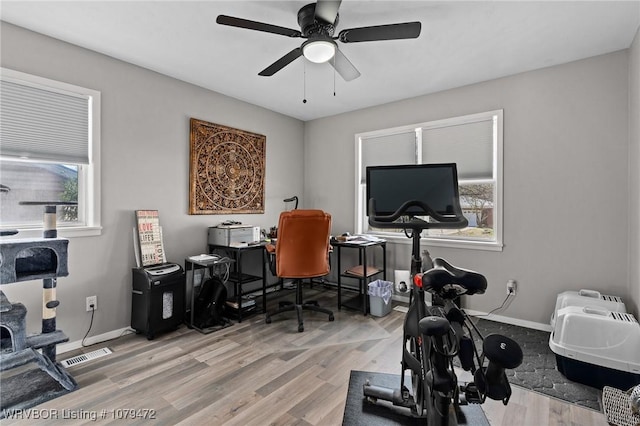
[(417, 307)]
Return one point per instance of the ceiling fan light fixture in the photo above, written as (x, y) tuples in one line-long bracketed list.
[(319, 51)]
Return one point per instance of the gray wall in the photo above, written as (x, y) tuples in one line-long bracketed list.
[(566, 146), (565, 169), (634, 174), (145, 138)]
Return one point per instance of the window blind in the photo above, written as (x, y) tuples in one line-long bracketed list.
[(469, 145), (43, 125), (389, 150)]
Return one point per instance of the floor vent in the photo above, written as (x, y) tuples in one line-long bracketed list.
[(81, 359), (401, 308)]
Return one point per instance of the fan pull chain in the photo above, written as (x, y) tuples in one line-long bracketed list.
[(334, 75), (304, 82)]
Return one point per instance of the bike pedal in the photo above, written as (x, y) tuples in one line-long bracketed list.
[(471, 394), (462, 399), (406, 395), (473, 398)]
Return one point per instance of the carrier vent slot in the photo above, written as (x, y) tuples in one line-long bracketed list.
[(80, 359), (623, 317), (611, 298)]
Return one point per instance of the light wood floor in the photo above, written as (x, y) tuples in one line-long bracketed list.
[(261, 374)]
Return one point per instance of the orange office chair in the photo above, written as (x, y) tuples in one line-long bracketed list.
[(301, 251)]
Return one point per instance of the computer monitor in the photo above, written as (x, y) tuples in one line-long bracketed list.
[(435, 185)]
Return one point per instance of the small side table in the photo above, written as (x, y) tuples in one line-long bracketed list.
[(363, 274), (191, 264)]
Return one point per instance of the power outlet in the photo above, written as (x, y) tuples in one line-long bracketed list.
[(511, 287), (92, 303)]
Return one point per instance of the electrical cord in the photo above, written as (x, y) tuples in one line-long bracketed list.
[(226, 274), (93, 311), (222, 270), (126, 331), (502, 306)]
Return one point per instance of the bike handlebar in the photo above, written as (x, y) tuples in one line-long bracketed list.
[(455, 220)]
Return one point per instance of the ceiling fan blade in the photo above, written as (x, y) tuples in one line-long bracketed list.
[(327, 10), (258, 26), (281, 63), (344, 67), (381, 32)]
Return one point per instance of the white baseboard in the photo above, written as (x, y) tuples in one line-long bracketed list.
[(400, 298), (498, 318), (110, 335), (509, 320), (70, 346)]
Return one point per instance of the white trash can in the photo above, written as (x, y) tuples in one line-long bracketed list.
[(380, 293)]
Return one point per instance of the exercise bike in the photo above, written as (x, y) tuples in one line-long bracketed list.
[(435, 335)]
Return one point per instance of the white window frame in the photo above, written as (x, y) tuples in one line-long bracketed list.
[(89, 223), (361, 219)]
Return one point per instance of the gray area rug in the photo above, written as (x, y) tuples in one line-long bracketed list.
[(538, 370)]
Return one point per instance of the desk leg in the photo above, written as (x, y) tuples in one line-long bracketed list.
[(239, 284), (384, 261), (193, 288), (265, 259), (339, 279), (364, 282)]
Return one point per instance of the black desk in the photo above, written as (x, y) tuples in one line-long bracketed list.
[(239, 278), (367, 272)]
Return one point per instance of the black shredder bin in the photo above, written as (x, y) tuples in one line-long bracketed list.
[(157, 302)]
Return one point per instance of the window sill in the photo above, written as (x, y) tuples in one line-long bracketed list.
[(443, 242), (64, 232)]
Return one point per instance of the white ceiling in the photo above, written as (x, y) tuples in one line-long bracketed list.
[(461, 43)]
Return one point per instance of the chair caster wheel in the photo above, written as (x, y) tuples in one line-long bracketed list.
[(331, 318), (300, 328), (267, 320)]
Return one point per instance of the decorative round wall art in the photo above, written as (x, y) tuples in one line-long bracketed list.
[(227, 172)]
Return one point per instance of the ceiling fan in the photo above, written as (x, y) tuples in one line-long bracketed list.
[(318, 22)]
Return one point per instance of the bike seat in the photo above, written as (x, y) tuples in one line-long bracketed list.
[(448, 281)]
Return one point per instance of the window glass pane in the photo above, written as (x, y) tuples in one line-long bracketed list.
[(469, 145), (477, 202), (26, 181)]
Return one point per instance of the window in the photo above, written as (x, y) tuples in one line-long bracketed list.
[(474, 143), (50, 151)]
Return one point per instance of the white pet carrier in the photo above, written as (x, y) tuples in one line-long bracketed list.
[(596, 346)]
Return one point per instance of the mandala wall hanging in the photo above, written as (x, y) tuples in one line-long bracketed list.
[(227, 170)]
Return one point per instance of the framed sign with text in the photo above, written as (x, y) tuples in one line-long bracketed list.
[(150, 238), (227, 170)]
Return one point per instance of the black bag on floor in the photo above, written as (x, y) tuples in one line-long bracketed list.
[(208, 308)]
